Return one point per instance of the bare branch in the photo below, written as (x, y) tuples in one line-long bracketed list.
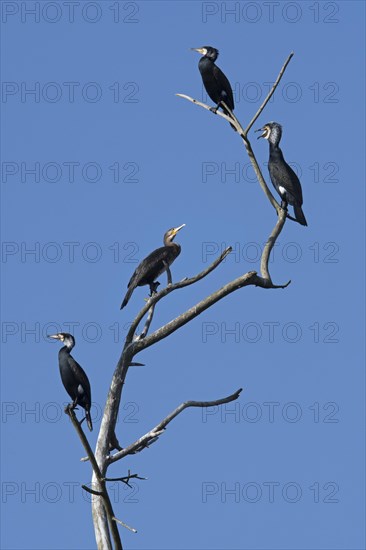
[(98, 475), (270, 244), (270, 94), (243, 133), (77, 425), (148, 323), (234, 121), (260, 178), (232, 118), (125, 525), (249, 278), (205, 106), (144, 441), (91, 491), (167, 290), (126, 479)]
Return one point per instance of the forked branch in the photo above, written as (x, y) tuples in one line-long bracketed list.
[(244, 133), (155, 298)]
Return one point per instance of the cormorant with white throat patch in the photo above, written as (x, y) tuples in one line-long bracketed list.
[(284, 179), (73, 377), (215, 82)]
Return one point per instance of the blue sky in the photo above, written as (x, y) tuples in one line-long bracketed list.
[(97, 163)]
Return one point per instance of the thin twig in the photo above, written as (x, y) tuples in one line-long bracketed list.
[(126, 479), (91, 491), (270, 94), (125, 525), (205, 106), (143, 441)]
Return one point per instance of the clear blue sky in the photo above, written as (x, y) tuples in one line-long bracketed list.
[(117, 159)]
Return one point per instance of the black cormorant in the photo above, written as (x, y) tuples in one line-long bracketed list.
[(154, 265), (283, 177), (73, 377), (215, 82)]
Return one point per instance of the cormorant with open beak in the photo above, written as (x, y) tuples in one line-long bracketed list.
[(215, 82), (73, 377), (283, 177), (154, 265)]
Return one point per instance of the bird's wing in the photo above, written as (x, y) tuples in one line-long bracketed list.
[(81, 376), (130, 282), (287, 179), (148, 263), (224, 83)]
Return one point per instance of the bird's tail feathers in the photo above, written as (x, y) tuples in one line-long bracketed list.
[(127, 297), (299, 215), (88, 419)]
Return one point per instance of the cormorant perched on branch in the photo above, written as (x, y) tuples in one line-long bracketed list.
[(283, 177), (215, 82), (73, 377), (154, 265)]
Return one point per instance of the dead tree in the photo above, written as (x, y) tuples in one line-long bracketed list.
[(108, 450)]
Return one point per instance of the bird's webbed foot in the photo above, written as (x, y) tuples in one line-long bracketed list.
[(214, 109), (154, 288)]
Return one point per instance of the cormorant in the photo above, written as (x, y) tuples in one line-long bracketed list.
[(283, 177), (154, 265), (73, 377), (215, 82)]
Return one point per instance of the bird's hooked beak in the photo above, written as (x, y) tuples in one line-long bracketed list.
[(202, 51), (264, 130), (56, 336), (176, 229)]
